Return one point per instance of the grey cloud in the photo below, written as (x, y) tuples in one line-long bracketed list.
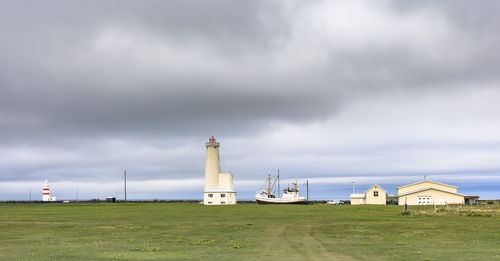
[(74, 75)]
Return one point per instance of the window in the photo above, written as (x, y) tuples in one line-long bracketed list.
[(209, 202), (210, 195), (222, 195), (375, 193), (424, 200), (223, 202)]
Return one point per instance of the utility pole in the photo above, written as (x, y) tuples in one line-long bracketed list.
[(352, 185), (30, 193), (125, 181), (307, 187)]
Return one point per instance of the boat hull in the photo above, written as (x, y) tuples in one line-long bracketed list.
[(281, 202)]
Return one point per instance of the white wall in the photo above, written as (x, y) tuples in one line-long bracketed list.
[(217, 198), (212, 166)]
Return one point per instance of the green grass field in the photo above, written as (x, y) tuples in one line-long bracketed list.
[(160, 231)]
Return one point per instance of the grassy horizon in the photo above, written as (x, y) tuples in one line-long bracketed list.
[(176, 231)]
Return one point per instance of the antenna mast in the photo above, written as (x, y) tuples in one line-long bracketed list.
[(125, 181), (279, 189)]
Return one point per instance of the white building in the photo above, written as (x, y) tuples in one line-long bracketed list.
[(46, 192), (219, 189), (429, 192), (425, 192), (375, 195)]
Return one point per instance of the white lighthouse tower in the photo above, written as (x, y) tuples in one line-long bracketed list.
[(219, 189), (46, 192)]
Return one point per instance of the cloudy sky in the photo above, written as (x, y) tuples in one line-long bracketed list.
[(331, 91)]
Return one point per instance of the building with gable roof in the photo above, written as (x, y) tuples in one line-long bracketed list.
[(425, 192), (429, 192), (375, 195)]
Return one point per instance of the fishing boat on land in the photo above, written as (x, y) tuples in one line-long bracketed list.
[(288, 196)]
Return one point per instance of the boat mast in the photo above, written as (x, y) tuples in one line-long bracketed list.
[(269, 184), (296, 191)]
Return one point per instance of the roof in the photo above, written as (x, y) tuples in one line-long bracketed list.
[(427, 181), (424, 189), (471, 197), (358, 195), (377, 186)]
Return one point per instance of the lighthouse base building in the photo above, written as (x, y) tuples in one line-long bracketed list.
[(219, 189)]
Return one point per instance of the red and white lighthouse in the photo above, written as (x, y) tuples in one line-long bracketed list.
[(46, 192)]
